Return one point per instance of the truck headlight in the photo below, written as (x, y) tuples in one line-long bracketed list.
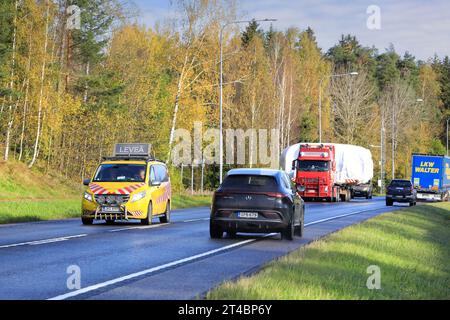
[(138, 196), (88, 196)]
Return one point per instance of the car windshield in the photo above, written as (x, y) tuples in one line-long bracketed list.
[(313, 165), (400, 183), (250, 183), (120, 173)]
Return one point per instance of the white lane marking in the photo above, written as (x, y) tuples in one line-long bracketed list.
[(148, 271), (139, 227), (181, 261), (44, 241), (336, 217), (199, 219)]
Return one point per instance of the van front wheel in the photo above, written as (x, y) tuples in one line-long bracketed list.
[(148, 220), (166, 217)]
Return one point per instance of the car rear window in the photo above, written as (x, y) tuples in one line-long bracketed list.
[(400, 183), (250, 183)]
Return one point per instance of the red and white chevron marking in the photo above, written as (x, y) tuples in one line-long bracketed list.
[(97, 189), (165, 196), (136, 213), (130, 189)]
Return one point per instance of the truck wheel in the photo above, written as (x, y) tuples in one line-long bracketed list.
[(87, 221), (289, 232), (166, 217), (148, 220), (215, 232)]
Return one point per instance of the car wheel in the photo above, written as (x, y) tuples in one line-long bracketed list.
[(110, 221), (215, 231), (166, 217), (231, 234), (87, 221), (389, 203), (289, 232), (299, 230), (411, 204), (148, 220)]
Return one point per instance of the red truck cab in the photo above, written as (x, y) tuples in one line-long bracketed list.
[(315, 170)]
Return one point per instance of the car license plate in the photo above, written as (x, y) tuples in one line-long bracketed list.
[(248, 215), (110, 209)]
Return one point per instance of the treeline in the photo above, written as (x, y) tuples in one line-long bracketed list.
[(67, 95)]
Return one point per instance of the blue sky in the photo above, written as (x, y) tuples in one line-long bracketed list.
[(420, 27)]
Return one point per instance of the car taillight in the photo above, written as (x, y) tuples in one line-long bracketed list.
[(276, 194), (223, 195), (224, 213)]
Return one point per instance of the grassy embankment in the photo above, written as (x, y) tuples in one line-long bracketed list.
[(411, 248), (27, 195)]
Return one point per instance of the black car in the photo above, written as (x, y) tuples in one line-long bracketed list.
[(363, 190), (257, 201), (400, 191)]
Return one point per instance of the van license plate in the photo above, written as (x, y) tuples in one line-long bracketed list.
[(110, 209), (248, 215)]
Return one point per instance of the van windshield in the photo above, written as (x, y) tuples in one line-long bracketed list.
[(120, 173), (313, 165)]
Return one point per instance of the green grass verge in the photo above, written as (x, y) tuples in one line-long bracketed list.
[(12, 211), (411, 248)]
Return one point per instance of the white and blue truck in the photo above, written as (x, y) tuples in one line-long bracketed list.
[(431, 176)]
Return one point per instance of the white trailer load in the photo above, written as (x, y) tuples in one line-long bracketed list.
[(354, 164)]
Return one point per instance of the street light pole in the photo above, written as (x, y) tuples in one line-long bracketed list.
[(393, 137), (221, 90), (320, 97), (447, 135)]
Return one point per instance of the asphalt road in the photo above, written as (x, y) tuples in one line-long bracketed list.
[(161, 261)]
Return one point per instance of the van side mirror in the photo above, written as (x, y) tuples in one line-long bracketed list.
[(86, 182), (155, 183)]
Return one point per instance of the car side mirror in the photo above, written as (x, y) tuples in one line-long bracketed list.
[(86, 182), (155, 183), (294, 164), (300, 188)]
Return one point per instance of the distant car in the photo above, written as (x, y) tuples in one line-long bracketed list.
[(363, 190), (400, 191), (257, 201)]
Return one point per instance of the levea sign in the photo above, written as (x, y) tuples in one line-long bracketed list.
[(132, 149)]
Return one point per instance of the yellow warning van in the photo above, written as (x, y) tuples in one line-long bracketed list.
[(129, 185)]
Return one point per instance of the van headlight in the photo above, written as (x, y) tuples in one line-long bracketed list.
[(88, 196), (138, 196)]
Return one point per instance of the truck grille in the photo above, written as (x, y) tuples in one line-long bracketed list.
[(112, 198), (311, 181)]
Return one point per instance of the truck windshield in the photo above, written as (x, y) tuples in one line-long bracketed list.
[(120, 173), (313, 165)]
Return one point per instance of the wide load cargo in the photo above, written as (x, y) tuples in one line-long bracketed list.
[(354, 164)]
